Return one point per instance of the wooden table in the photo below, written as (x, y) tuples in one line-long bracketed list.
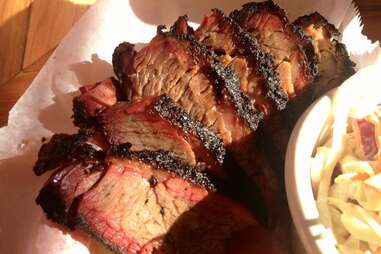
[(30, 30)]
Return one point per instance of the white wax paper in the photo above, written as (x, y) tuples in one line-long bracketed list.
[(83, 57)]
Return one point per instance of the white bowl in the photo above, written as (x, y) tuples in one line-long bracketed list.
[(312, 235)]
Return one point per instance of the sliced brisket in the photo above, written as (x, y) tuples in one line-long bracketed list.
[(157, 123), (294, 55), (239, 50), (334, 67), (140, 178), (190, 74)]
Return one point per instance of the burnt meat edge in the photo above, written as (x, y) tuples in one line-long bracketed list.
[(263, 62), (224, 77), (168, 109), (166, 160), (63, 148), (248, 9)]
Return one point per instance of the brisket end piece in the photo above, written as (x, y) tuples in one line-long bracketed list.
[(238, 49), (294, 55), (174, 63), (334, 63), (65, 148), (317, 21), (59, 196), (121, 57), (157, 123), (94, 99)]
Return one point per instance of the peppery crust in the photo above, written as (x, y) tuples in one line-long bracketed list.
[(82, 118), (248, 9), (318, 21), (166, 108), (332, 32), (122, 54), (81, 224), (167, 161), (224, 77), (64, 148), (225, 80), (263, 62)]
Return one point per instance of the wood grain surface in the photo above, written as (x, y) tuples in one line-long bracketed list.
[(29, 32), (31, 29), (49, 22), (14, 19)]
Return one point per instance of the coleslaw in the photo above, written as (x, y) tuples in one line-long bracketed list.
[(346, 178)]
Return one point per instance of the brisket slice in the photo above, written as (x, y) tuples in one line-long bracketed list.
[(77, 161), (121, 58), (189, 73), (294, 55), (268, 191), (94, 99), (333, 61), (295, 64), (264, 178), (150, 202), (140, 207), (239, 50), (334, 68), (157, 123), (64, 148), (221, 34)]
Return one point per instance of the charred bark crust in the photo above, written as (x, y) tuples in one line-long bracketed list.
[(123, 53), (223, 77), (263, 62), (65, 148), (82, 118), (318, 21), (177, 115), (248, 9), (167, 161)]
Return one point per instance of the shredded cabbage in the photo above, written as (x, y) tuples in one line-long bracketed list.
[(346, 180)]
